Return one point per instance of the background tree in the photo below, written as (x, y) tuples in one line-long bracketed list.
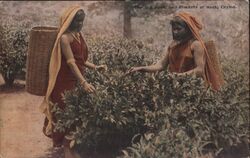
[(132, 8), (127, 33)]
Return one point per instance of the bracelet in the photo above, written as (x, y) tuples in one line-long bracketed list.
[(95, 67), (83, 82), (69, 61)]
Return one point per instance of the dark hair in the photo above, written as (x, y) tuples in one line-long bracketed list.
[(80, 10), (78, 15), (179, 21)]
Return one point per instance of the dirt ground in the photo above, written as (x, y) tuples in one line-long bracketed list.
[(21, 125)]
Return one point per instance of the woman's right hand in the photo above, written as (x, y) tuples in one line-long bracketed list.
[(134, 69), (88, 87)]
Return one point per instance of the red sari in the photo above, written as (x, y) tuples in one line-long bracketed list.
[(66, 81), (181, 58)]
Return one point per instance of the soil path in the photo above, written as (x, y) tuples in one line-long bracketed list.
[(21, 126)]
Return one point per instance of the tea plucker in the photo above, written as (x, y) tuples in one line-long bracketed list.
[(187, 54), (69, 58)]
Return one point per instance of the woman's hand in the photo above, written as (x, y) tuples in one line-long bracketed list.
[(134, 69), (88, 87), (101, 68)]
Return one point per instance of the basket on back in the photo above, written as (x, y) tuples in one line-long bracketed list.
[(41, 43), (214, 58)]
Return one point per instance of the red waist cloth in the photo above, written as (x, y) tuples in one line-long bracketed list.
[(66, 81)]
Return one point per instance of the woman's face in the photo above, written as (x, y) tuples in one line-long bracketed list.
[(180, 30), (77, 22)]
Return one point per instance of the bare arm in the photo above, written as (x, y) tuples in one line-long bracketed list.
[(199, 53), (90, 65), (67, 53), (159, 66), (95, 67)]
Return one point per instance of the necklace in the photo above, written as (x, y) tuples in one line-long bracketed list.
[(76, 36)]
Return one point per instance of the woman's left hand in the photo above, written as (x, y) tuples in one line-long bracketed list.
[(101, 68)]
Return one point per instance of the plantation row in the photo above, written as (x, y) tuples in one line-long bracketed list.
[(144, 115)]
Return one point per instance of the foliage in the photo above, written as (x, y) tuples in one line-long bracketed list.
[(201, 123), (13, 51), (108, 116), (166, 115)]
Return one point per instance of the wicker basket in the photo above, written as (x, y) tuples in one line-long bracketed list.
[(214, 58), (41, 43)]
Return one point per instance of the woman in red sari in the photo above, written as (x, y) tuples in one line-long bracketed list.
[(68, 60), (187, 54)]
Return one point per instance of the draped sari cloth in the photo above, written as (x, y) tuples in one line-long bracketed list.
[(55, 64), (210, 75)]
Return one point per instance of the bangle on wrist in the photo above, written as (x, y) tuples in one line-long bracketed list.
[(70, 61), (83, 82)]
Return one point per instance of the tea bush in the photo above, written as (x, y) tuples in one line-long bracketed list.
[(117, 111), (13, 51), (214, 123), (157, 115)]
